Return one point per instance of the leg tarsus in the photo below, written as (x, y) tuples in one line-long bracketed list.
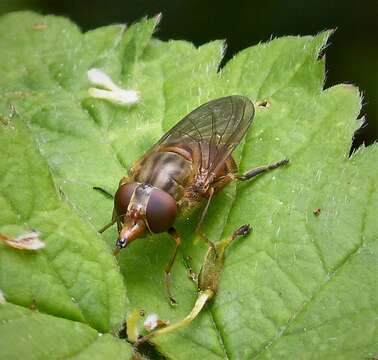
[(261, 169), (167, 281), (241, 231)]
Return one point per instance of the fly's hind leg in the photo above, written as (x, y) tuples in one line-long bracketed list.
[(207, 282), (189, 271), (209, 276), (177, 239), (261, 169)]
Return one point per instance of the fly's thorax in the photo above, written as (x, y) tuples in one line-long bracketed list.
[(135, 202), (165, 170)]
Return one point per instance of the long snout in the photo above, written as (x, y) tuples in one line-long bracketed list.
[(128, 234)]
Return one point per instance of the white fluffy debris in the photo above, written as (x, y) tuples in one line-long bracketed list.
[(98, 78), (2, 298), (28, 241), (123, 97), (109, 90), (152, 322)]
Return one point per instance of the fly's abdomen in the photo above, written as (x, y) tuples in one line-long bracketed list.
[(167, 171)]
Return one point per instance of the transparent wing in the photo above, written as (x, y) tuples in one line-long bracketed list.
[(216, 128)]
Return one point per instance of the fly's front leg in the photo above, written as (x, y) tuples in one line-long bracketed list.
[(261, 169), (110, 196), (103, 191), (107, 226), (177, 239)]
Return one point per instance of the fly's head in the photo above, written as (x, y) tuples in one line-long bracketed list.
[(142, 209), (130, 223)]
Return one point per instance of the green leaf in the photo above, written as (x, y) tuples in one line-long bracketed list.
[(74, 276), (300, 286), (27, 334)]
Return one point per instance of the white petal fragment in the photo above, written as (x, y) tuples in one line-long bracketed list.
[(2, 298), (99, 78), (151, 322), (110, 91), (28, 241), (121, 97)]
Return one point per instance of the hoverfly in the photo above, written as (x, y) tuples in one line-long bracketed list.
[(183, 170)]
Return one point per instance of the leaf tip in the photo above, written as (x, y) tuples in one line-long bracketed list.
[(158, 18), (348, 86), (223, 48)]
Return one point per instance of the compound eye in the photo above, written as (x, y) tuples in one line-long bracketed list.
[(122, 197), (161, 211)]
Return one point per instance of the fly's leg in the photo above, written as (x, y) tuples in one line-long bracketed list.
[(203, 214), (208, 282), (204, 238), (107, 226), (177, 239), (191, 274), (198, 230), (209, 276), (109, 195), (261, 169)]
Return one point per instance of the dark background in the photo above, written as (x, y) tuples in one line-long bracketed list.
[(352, 56)]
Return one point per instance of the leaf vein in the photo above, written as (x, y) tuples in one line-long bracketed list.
[(326, 281)]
